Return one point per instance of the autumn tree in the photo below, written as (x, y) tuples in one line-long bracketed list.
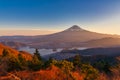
[(89, 72), (10, 60), (36, 62), (23, 62), (5, 53), (13, 63), (50, 62)]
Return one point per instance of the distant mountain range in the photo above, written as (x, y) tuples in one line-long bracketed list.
[(66, 54), (14, 44), (71, 37)]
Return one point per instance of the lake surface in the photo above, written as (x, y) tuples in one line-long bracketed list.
[(44, 52)]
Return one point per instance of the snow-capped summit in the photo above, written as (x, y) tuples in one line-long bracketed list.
[(75, 28)]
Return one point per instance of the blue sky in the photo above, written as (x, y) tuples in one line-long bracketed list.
[(59, 14)]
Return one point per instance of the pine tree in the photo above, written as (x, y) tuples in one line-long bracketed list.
[(37, 54), (77, 60), (36, 62)]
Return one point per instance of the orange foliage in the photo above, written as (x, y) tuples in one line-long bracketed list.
[(2, 47), (26, 55), (77, 76), (52, 73)]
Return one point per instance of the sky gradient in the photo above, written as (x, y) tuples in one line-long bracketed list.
[(35, 17)]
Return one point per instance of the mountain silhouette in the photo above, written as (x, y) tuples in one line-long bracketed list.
[(71, 37), (74, 36)]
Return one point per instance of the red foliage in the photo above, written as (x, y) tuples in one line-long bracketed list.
[(52, 73), (14, 52)]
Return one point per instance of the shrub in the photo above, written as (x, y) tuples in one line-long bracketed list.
[(89, 72)]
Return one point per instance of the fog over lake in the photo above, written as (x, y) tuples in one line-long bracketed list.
[(45, 51)]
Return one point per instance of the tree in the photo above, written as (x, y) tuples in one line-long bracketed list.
[(89, 72), (37, 54), (103, 66), (13, 63), (10, 60), (76, 60), (5, 53), (66, 67), (50, 62), (35, 64), (22, 61)]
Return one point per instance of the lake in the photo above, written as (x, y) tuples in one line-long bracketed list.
[(46, 51)]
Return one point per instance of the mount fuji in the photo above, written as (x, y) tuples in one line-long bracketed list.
[(74, 36)]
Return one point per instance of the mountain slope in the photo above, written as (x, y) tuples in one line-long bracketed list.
[(74, 34), (14, 44), (71, 37), (14, 52), (104, 42)]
